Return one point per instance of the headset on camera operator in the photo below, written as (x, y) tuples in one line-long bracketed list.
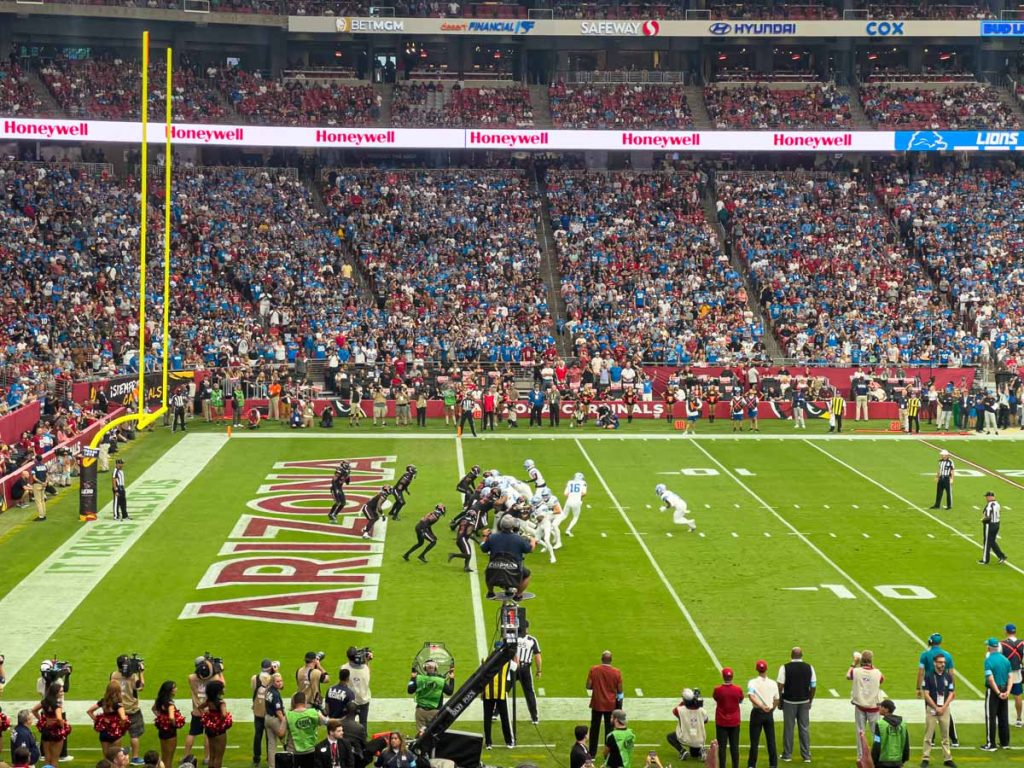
[(130, 676), (309, 677), (208, 669), (359, 676), (506, 549), (259, 684)]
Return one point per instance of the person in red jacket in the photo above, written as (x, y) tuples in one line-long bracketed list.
[(727, 718), (490, 403)]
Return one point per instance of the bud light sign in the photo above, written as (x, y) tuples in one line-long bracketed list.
[(1002, 29)]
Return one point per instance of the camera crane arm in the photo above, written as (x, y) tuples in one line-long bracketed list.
[(454, 708)]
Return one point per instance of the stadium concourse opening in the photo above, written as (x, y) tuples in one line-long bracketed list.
[(667, 320)]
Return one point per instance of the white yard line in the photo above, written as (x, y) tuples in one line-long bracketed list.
[(474, 580), (347, 435), (986, 470), (82, 562), (573, 709), (912, 505), (654, 563), (835, 566)]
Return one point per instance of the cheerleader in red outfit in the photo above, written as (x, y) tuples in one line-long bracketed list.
[(168, 721), (53, 728), (216, 721), (112, 722)]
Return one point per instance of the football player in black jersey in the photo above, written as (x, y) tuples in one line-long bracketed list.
[(401, 488), (425, 533), (467, 485), (373, 510), (466, 528), (342, 475)]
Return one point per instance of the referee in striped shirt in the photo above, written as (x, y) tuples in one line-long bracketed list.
[(944, 480), (527, 654), (990, 529)]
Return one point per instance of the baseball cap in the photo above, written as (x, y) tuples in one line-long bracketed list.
[(1011, 628), (989, 493), (992, 643), (266, 664), (199, 660), (727, 673), (935, 639), (761, 665), (310, 656)]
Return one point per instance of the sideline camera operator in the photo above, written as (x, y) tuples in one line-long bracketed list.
[(260, 684), (208, 669), (506, 549), (130, 676), (429, 689), (309, 677), (359, 679)]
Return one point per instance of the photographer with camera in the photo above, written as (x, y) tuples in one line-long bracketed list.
[(112, 722), (208, 669), (309, 677), (259, 684), (429, 688), (690, 734), (506, 549), (359, 676), (129, 675)]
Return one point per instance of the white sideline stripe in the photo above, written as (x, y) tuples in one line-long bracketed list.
[(914, 506), (648, 709), (835, 566), (835, 693), (76, 567), (344, 435), (654, 563), (474, 582)]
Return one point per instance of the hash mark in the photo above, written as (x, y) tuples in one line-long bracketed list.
[(640, 692), (604, 535), (855, 506), (834, 692), (866, 536), (931, 535), (796, 506), (826, 506), (648, 506), (735, 535), (540, 691), (669, 534), (701, 534), (767, 535), (885, 506), (832, 535), (897, 536), (707, 506), (736, 505)]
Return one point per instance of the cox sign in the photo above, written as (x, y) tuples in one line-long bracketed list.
[(884, 28)]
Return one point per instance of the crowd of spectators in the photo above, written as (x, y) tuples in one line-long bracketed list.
[(643, 272), (432, 103), (769, 9), (927, 10), (640, 107), (453, 260), (16, 95), (296, 102), (974, 105), (832, 274), (109, 89), (967, 227), (759, 107)]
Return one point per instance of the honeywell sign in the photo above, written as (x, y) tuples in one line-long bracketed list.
[(101, 131)]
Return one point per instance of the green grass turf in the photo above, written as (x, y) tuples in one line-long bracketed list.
[(604, 591)]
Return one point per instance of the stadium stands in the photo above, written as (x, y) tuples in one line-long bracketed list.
[(433, 103), (832, 274), (16, 96), (642, 272), (296, 102), (966, 226), (930, 107), (619, 106), (758, 106), (453, 259)]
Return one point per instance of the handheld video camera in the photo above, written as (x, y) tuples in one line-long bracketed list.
[(359, 656), (130, 665), (52, 671), (209, 665)]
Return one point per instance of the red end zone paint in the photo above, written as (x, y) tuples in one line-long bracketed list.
[(304, 492)]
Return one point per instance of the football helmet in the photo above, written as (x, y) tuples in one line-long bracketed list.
[(528, 465), (660, 488)]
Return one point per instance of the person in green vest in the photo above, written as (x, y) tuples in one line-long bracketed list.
[(216, 402), (239, 405), (429, 689), (302, 725), (891, 747), (618, 747), (450, 398)]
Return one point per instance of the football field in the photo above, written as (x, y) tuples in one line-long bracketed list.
[(826, 542)]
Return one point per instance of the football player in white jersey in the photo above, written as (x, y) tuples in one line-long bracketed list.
[(534, 474), (676, 504), (557, 515), (541, 515), (575, 490)]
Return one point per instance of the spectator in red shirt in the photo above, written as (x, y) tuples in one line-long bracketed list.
[(605, 685), (727, 718)]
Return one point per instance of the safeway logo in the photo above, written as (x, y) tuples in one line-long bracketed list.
[(45, 130), (499, 139), (652, 28), (354, 138), (615, 28)]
